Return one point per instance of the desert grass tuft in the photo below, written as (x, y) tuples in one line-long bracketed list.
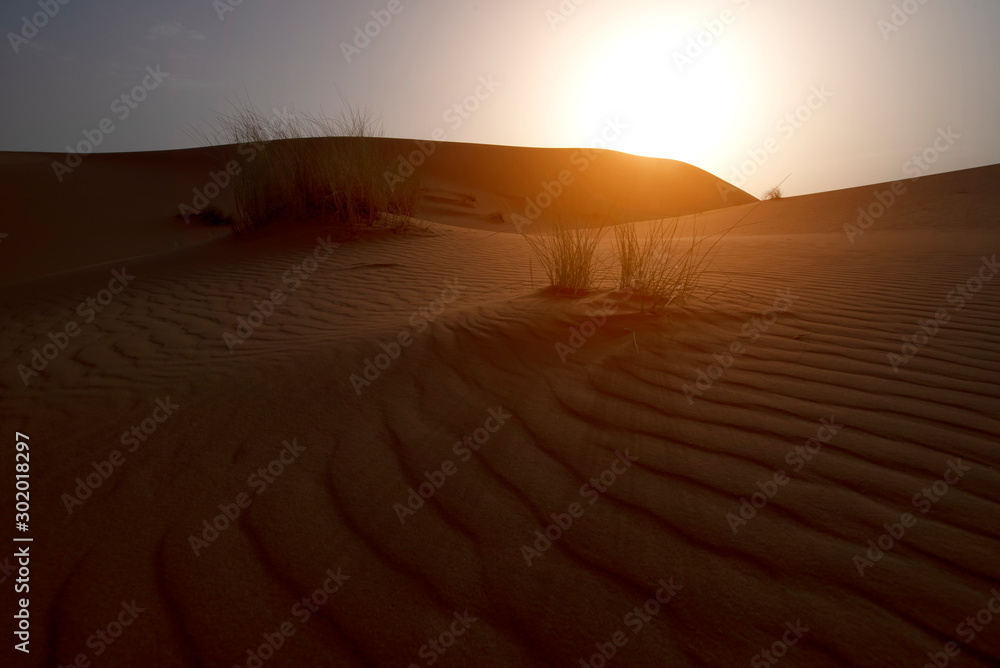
[(566, 252), (663, 267), (312, 167)]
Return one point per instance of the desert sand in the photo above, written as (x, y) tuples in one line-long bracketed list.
[(732, 457)]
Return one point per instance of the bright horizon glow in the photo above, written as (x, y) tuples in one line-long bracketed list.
[(668, 114)]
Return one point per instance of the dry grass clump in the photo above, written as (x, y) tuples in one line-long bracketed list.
[(663, 266), (568, 254), (658, 262), (313, 167), (773, 193)]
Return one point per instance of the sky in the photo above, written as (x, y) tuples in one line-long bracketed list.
[(820, 95)]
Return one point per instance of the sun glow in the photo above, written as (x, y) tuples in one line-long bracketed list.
[(684, 112)]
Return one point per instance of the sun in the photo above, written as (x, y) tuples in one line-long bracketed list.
[(683, 112)]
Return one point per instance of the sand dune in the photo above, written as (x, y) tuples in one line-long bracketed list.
[(633, 442), (126, 205)]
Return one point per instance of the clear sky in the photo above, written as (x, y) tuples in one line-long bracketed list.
[(835, 93)]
